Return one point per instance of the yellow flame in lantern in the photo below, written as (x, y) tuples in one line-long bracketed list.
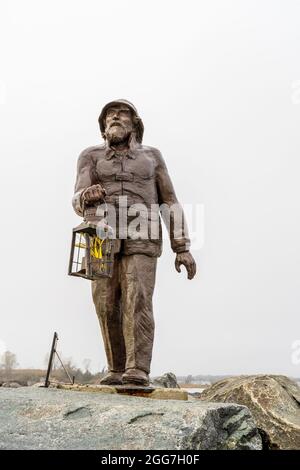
[(96, 247)]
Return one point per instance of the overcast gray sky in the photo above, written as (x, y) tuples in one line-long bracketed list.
[(217, 84)]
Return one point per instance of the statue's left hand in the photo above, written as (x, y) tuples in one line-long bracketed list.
[(188, 261)]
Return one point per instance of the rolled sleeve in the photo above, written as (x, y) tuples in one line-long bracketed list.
[(178, 232)]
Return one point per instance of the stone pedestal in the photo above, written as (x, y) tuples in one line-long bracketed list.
[(132, 390)]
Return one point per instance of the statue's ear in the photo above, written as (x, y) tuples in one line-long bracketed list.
[(135, 120)]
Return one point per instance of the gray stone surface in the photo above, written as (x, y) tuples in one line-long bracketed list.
[(35, 418)]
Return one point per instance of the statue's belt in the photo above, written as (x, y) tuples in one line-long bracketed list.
[(125, 176)]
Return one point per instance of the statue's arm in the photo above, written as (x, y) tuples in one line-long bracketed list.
[(83, 181), (176, 222), (172, 211)]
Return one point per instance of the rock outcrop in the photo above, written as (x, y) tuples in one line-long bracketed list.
[(273, 400), (35, 418), (167, 380), (11, 385)]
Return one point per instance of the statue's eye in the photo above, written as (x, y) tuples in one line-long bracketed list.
[(110, 112), (125, 112)]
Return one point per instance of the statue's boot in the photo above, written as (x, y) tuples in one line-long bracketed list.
[(111, 378), (136, 377)]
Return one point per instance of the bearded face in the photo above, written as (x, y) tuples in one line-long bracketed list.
[(118, 124)]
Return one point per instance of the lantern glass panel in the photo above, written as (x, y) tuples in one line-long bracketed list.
[(79, 255)]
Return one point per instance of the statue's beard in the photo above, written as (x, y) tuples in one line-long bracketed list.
[(117, 133)]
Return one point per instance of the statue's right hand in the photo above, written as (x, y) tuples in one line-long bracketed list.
[(93, 193)]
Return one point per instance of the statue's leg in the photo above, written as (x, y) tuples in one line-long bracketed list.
[(106, 296), (137, 277)]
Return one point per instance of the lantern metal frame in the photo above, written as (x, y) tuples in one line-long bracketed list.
[(93, 269)]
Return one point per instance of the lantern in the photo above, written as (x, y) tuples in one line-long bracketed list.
[(91, 254)]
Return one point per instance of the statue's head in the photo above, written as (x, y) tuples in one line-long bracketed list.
[(118, 120)]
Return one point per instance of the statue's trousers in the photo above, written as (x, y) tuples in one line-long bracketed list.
[(124, 307)]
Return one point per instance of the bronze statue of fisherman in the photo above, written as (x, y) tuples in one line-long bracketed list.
[(122, 169)]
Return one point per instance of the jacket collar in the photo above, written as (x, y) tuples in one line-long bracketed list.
[(131, 153)]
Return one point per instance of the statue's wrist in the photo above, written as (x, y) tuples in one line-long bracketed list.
[(179, 252)]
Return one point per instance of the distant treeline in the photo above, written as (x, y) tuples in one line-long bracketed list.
[(9, 372), (200, 379), (32, 376)]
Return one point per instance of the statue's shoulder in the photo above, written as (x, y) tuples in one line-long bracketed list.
[(92, 152), (154, 154), (151, 151)]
